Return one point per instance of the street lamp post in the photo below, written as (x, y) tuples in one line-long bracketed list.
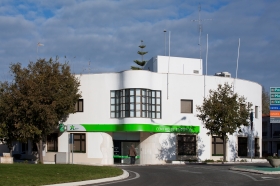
[(164, 42), (252, 127)]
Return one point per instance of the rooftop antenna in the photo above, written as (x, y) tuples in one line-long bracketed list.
[(89, 70), (168, 67), (237, 63), (206, 64), (200, 30)]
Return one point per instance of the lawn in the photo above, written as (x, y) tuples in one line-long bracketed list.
[(40, 174)]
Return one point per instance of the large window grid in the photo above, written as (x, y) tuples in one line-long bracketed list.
[(136, 102)]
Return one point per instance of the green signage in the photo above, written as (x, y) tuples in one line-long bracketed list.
[(61, 127), (135, 127), (274, 89)]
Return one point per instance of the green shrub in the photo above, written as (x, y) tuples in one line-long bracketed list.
[(210, 160)]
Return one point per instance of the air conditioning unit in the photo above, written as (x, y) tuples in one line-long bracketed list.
[(223, 74)]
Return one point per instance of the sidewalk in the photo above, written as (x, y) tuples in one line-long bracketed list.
[(260, 169), (123, 176)]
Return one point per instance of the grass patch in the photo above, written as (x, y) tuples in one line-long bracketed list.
[(40, 174)]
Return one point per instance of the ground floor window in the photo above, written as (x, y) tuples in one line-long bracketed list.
[(79, 141), (217, 146), (186, 144), (52, 144), (257, 147), (242, 146)]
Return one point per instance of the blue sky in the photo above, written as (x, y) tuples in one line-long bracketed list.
[(104, 35)]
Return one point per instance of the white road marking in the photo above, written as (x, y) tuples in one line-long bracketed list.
[(136, 177)]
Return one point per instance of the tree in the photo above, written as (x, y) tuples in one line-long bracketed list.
[(265, 102), (36, 101), (141, 53), (223, 113)]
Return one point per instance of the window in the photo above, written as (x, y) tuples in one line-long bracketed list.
[(242, 146), (186, 144), (186, 106), (79, 142), (79, 105), (217, 146), (135, 102), (52, 144), (256, 111)]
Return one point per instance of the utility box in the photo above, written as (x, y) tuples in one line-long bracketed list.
[(60, 158)]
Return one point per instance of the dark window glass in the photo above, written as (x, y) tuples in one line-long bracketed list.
[(52, 144), (217, 146), (79, 142), (186, 144), (242, 146), (79, 105), (136, 103)]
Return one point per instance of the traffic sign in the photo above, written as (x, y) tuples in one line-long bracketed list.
[(274, 107), (274, 89), (274, 104), (274, 95)]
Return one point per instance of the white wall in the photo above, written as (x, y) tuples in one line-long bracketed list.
[(96, 89)]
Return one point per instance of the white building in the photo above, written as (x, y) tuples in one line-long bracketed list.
[(155, 109)]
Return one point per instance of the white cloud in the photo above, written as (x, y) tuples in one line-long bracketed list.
[(108, 32)]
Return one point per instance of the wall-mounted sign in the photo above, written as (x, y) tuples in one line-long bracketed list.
[(133, 127)]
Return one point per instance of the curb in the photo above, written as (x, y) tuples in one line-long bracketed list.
[(254, 171), (123, 176)]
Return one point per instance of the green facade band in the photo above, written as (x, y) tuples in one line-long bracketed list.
[(133, 128), (124, 157)]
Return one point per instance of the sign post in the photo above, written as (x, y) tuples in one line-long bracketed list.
[(274, 104)]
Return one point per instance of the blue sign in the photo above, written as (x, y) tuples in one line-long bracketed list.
[(274, 107)]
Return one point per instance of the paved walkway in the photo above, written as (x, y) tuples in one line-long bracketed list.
[(123, 176), (261, 169)]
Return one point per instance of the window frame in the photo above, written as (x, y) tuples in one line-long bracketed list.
[(256, 112), (215, 143), (135, 102), (53, 137), (187, 145), (80, 140), (185, 101), (79, 108)]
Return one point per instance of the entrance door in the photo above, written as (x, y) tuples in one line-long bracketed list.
[(242, 146), (121, 148)]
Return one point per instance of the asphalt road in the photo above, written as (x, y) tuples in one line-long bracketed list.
[(192, 174)]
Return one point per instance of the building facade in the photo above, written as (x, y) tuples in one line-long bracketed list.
[(271, 137), (154, 109)]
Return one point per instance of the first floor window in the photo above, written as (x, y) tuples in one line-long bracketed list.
[(256, 111), (186, 106), (79, 106), (186, 144), (217, 146), (52, 144), (135, 102), (79, 142)]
